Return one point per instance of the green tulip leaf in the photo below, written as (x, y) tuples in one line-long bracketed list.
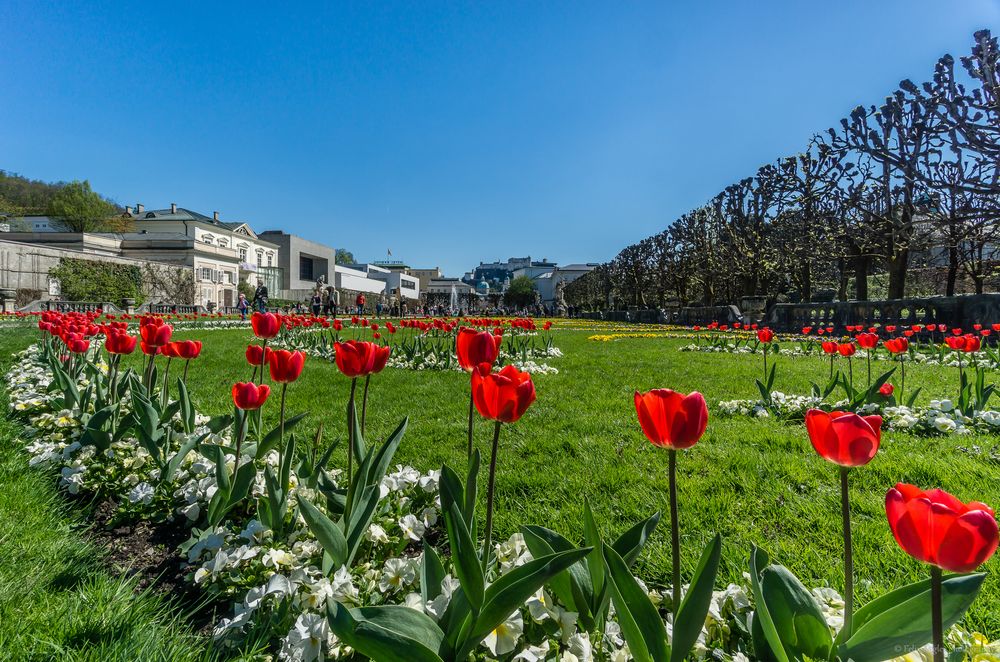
[(387, 633), (273, 438), (431, 573), (629, 544), (326, 531), (463, 549), (906, 625), (762, 621), (641, 624), (797, 619), (694, 608), (507, 594)]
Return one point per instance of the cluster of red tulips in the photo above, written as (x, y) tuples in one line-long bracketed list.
[(74, 329), (932, 526)]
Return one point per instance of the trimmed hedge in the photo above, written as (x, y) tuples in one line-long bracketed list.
[(90, 280)]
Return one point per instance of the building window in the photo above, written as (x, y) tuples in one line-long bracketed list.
[(205, 273), (260, 260), (269, 259), (243, 253), (305, 268), (407, 285)]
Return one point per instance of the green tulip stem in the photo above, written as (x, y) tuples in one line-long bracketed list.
[(902, 378), (472, 411), (166, 374), (831, 365), (937, 628), (350, 431), (263, 360), (845, 507), (149, 376), (185, 376), (281, 427), (869, 369), (364, 404), (765, 362), (850, 371), (240, 436), (675, 534), (490, 491)]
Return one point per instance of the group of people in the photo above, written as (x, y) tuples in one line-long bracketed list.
[(325, 301)]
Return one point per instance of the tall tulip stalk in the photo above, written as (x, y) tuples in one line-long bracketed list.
[(765, 336), (674, 421), (502, 397), (356, 358), (474, 348), (285, 368), (935, 527), (898, 347), (847, 440), (869, 342), (265, 326)]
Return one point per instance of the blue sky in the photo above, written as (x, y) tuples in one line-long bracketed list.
[(447, 132)]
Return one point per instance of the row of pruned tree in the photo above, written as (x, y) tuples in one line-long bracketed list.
[(906, 187)]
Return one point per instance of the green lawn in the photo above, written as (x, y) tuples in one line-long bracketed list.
[(56, 599), (754, 481)]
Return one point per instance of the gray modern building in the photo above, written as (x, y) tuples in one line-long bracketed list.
[(303, 262)]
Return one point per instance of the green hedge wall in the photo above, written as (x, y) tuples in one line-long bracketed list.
[(89, 280)]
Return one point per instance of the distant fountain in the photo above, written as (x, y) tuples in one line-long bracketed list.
[(453, 303)]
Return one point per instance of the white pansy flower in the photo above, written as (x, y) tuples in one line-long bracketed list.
[(503, 639)]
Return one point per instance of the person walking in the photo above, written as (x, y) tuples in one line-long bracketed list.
[(242, 306), (260, 297), (359, 301), (316, 303), (332, 301)]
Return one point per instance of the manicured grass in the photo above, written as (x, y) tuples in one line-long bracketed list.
[(56, 600), (753, 481)]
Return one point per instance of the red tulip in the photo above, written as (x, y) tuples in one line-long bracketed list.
[(502, 396), (149, 350), (78, 345), (286, 366), (547, 326), (897, 345), (169, 350), (476, 347), (120, 343), (936, 528), (956, 343), (886, 389), (829, 346), (670, 419), (844, 438), (765, 335), (154, 332), (846, 349), (867, 340), (265, 325), (254, 352), (972, 344), (186, 349), (250, 396), (356, 358)]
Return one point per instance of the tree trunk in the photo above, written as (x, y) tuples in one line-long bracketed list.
[(861, 277), (952, 271), (842, 284), (806, 283), (897, 266)]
